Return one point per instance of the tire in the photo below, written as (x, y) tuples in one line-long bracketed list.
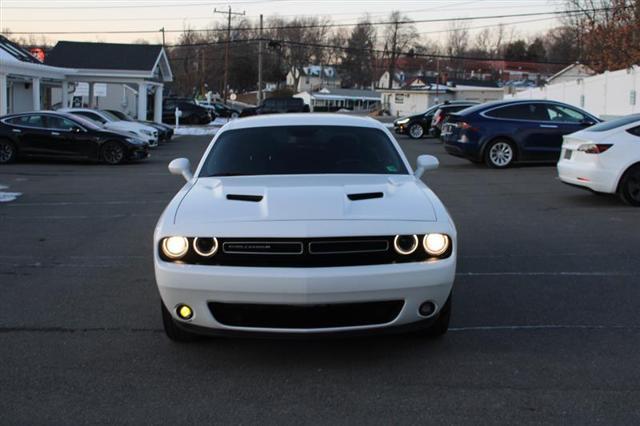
[(235, 115), (630, 186), (8, 153), (416, 131), (172, 330), (500, 154), (440, 327), (113, 153)]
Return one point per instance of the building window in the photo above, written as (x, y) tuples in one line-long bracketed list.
[(399, 98)]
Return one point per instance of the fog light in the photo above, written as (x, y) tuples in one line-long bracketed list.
[(427, 309), (184, 312)]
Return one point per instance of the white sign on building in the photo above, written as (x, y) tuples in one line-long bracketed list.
[(99, 89)]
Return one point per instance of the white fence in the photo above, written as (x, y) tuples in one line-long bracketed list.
[(607, 95)]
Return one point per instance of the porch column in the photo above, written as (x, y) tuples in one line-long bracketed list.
[(142, 101), (65, 94), (35, 93), (157, 104), (4, 108), (92, 97)]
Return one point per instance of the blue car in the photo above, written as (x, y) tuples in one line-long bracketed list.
[(504, 132)]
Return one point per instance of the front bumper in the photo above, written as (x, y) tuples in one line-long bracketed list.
[(587, 175), (196, 286)]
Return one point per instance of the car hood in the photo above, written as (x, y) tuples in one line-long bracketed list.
[(299, 198), (126, 126)]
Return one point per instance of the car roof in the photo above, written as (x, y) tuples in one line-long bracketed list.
[(44, 112), (507, 102), (303, 119)]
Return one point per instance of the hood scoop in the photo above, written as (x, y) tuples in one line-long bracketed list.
[(243, 197), (365, 196)]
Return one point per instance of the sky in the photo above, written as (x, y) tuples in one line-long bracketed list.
[(94, 16)]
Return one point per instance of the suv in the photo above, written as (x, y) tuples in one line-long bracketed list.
[(443, 113), (501, 133), (277, 106)]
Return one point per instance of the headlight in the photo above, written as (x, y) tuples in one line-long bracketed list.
[(205, 247), (175, 247), (403, 121), (147, 132), (436, 244), (405, 244)]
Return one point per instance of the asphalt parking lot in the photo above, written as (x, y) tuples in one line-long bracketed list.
[(545, 324)]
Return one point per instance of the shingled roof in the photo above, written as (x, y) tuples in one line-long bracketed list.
[(107, 56)]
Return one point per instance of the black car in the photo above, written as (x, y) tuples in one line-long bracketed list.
[(417, 126), (501, 133), (191, 113), (165, 133), (65, 136), (277, 106), (444, 112), (222, 110)]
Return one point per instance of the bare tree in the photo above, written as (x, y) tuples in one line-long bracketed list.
[(399, 34)]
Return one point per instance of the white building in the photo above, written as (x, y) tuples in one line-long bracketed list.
[(415, 99), (608, 95), (125, 75), (334, 99), (313, 77), (571, 73), (26, 83)]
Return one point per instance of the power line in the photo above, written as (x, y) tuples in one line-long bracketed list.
[(290, 27)]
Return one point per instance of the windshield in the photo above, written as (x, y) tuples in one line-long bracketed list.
[(619, 122), (287, 150), (110, 116), (86, 122), (118, 114)]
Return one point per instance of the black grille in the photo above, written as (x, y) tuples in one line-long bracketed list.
[(305, 316)]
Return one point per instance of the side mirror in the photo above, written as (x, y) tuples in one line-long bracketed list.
[(181, 167), (587, 122), (426, 162)]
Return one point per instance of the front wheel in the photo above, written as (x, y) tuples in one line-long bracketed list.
[(172, 330), (113, 153), (416, 131), (7, 152), (630, 187), (500, 154), (235, 115)]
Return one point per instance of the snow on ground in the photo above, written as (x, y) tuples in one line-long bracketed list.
[(196, 131), (5, 197)]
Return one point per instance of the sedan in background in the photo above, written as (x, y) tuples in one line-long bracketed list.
[(304, 224), (504, 132), (605, 158), (165, 133), (190, 112), (65, 136), (443, 112), (415, 126), (220, 109), (111, 122)]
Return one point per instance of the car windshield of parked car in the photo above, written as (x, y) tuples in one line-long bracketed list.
[(288, 150), (111, 116), (613, 124), (88, 123)]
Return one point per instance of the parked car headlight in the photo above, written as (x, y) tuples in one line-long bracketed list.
[(403, 121), (436, 244), (147, 132), (405, 244), (175, 247)]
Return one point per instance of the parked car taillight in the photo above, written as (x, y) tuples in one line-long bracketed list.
[(592, 148), (464, 125)]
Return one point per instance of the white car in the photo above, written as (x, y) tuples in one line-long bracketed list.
[(111, 122), (605, 158), (304, 224)]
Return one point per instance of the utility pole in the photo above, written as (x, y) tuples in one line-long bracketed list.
[(162, 31), (260, 64), (226, 49)]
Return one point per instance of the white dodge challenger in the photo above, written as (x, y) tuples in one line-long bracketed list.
[(304, 224)]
